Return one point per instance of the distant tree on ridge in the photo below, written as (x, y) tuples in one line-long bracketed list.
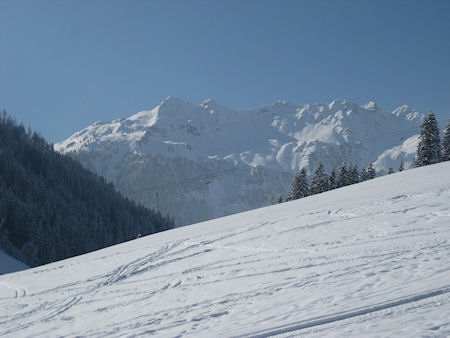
[(319, 182), (429, 148), (300, 186), (446, 144)]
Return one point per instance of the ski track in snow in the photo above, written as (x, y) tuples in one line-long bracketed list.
[(351, 326), (348, 314), (356, 260)]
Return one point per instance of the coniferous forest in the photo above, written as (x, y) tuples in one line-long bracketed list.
[(52, 208), (430, 150)]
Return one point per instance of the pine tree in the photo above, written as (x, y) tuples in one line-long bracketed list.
[(300, 186), (429, 148), (364, 176), (371, 171), (446, 144), (391, 171), (280, 199), (342, 176), (353, 174), (402, 166), (332, 180), (347, 175), (319, 183), (368, 173)]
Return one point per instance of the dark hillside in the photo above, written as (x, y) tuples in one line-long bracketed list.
[(52, 208)]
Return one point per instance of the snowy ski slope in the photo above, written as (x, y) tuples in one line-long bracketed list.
[(369, 259)]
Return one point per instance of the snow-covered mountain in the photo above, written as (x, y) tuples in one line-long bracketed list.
[(198, 162), (370, 259)]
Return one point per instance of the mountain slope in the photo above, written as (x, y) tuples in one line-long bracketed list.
[(368, 259), (198, 162), (9, 264), (52, 208)]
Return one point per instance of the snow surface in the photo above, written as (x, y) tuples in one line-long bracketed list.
[(9, 264), (391, 158), (369, 259), (206, 161)]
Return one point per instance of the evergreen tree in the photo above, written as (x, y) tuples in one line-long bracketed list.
[(353, 174), (429, 148), (402, 166), (280, 199), (319, 182), (368, 173), (332, 180), (343, 178), (446, 144), (364, 176), (371, 171), (300, 186), (391, 171)]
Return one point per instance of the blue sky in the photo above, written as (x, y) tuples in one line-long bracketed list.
[(67, 64)]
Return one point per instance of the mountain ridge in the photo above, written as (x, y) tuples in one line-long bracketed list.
[(180, 140)]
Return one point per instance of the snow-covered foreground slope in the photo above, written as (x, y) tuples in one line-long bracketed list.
[(198, 162), (367, 259), (9, 264)]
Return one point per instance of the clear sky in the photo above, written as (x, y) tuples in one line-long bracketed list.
[(67, 64)]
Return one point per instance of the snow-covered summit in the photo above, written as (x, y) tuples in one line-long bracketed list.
[(406, 112), (178, 142), (371, 105)]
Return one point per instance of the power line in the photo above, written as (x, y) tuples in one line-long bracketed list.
[(207, 178)]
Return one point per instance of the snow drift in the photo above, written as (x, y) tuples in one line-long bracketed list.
[(368, 259)]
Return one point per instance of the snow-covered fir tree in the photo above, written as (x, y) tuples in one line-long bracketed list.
[(446, 144), (300, 186), (332, 180), (347, 175), (368, 173), (342, 176), (402, 166), (371, 171), (353, 173), (319, 182), (429, 148), (391, 171)]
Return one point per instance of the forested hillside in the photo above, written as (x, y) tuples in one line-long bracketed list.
[(52, 208)]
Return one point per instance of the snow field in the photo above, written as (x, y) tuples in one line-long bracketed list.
[(368, 259)]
